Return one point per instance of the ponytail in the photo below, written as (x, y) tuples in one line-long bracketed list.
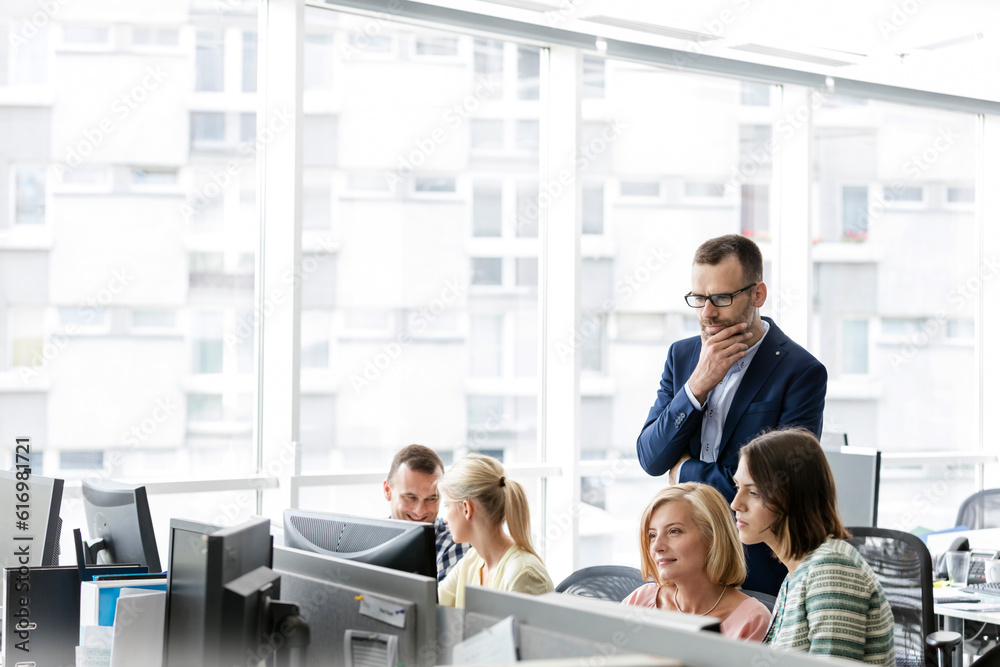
[(518, 516), (482, 478)]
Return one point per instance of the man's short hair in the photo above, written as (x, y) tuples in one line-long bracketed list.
[(417, 458), (715, 251)]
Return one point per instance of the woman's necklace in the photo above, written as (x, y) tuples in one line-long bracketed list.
[(706, 613)]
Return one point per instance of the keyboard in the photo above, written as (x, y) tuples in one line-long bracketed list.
[(983, 589)]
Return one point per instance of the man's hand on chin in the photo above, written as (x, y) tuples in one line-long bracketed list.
[(675, 471)]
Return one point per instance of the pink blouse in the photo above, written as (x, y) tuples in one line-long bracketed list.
[(748, 621)]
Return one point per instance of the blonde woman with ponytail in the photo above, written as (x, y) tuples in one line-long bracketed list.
[(479, 499)]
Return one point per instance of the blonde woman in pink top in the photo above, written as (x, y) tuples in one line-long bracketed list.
[(692, 554)]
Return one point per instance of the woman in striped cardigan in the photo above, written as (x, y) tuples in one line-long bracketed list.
[(830, 603)]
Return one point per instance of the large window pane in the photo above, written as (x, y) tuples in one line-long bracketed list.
[(434, 233), (892, 270), (124, 320), (651, 194)]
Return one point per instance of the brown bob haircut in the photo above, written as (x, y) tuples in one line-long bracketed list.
[(794, 481), (714, 251), (725, 564)]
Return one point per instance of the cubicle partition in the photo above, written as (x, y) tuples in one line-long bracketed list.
[(558, 626)]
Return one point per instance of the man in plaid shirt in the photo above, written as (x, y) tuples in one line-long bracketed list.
[(411, 489)]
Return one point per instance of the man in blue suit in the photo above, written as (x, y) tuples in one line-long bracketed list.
[(742, 375)]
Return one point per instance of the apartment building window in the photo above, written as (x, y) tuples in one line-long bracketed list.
[(527, 136), (527, 209), (755, 94), (488, 62), (437, 46), (486, 345), (755, 210), (906, 195), (27, 336), (207, 342), (487, 271), (528, 59), (317, 327), (593, 208), (85, 35), (29, 195), (208, 129), (204, 408), (526, 271), (151, 37), (854, 212), (317, 64), (961, 196), (487, 208), (594, 73), (755, 147), (210, 61), (854, 356), (486, 134), (249, 83)]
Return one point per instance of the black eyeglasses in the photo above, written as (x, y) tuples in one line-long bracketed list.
[(718, 300)]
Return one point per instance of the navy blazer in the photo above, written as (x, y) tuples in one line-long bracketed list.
[(784, 386)]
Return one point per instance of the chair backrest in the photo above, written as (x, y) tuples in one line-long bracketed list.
[(902, 564), (980, 510), (766, 598), (603, 582)]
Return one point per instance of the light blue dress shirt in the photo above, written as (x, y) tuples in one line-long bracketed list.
[(719, 400)]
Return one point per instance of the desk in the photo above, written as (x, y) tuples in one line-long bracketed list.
[(956, 614)]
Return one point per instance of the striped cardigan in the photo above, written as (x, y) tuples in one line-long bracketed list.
[(833, 605)]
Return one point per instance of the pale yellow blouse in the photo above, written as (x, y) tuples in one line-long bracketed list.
[(518, 570)]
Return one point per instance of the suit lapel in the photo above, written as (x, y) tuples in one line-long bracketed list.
[(769, 355)]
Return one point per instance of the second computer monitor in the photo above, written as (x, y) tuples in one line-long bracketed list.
[(118, 517), (407, 546), (29, 532)]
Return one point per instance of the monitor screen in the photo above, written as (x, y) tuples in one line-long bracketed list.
[(407, 546), (856, 473), (203, 558), (118, 518), (29, 532)]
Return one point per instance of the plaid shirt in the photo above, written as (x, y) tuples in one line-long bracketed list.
[(449, 552)]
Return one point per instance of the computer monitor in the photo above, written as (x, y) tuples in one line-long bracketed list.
[(407, 546), (119, 524), (331, 592), (856, 473), (257, 627), (30, 529), (203, 558)]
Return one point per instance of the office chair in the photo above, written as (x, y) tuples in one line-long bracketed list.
[(903, 567), (980, 510), (603, 582)]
